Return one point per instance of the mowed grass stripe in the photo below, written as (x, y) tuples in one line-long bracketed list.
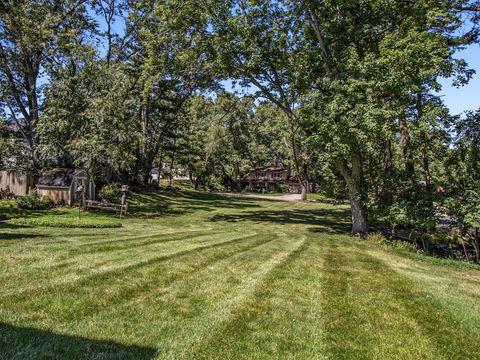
[(282, 320), (55, 239), (38, 237), (99, 275), (135, 237), (378, 313), (224, 296), (457, 298), (52, 268), (146, 241), (155, 280), (51, 258), (226, 306), (186, 313), (41, 256), (355, 326)]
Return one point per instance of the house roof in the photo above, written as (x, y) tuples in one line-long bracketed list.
[(59, 177)]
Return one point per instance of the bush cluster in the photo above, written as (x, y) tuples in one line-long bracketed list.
[(32, 201), (111, 193), (6, 194)]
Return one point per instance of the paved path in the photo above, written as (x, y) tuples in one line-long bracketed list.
[(284, 197)]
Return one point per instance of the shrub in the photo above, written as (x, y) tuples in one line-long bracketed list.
[(111, 193), (170, 188), (412, 207), (32, 201), (6, 194), (376, 238), (283, 188)]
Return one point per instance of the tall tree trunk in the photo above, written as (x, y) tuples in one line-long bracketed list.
[(426, 168), (303, 189), (193, 183), (354, 180), (476, 244), (387, 155), (238, 178), (406, 146), (172, 162), (33, 108), (160, 166), (300, 168), (147, 167)]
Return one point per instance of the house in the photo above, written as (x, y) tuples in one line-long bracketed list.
[(267, 178), (17, 182), (60, 185), (271, 178)]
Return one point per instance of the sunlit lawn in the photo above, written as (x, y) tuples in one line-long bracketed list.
[(197, 276)]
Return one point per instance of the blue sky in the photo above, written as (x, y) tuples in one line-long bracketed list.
[(466, 97)]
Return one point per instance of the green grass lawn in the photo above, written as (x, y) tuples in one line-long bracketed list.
[(198, 276)]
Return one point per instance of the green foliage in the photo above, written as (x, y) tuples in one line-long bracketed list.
[(419, 213), (472, 217), (376, 238), (283, 188), (111, 193), (412, 207), (462, 178), (32, 201), (36, 36), (222, 139), (171, 188)]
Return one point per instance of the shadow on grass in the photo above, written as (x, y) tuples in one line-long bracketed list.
[(151, 204), (8, 226), (324, 220), (13, 236), (16, 236), (23, 343)]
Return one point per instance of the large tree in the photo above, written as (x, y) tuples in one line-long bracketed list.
[(343, 72), (34, 35)]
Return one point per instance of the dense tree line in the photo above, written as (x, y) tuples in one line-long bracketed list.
[(344, 92)]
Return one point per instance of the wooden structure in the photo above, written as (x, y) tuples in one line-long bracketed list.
[(121, 208), (60, 185), (267, 178), (270, 178), (17, 182)]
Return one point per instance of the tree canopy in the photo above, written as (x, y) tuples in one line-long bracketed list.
[(343, 92)]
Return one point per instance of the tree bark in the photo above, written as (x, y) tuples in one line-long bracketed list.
[(303, 189), (426, 168), (406, 148), (387, 155), (476, 244), (354, 180), (238, 178), (193, 183)]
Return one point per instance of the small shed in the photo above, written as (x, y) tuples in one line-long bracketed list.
[(60, 185)]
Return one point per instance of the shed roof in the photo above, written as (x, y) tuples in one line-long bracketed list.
[(59, 177)]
